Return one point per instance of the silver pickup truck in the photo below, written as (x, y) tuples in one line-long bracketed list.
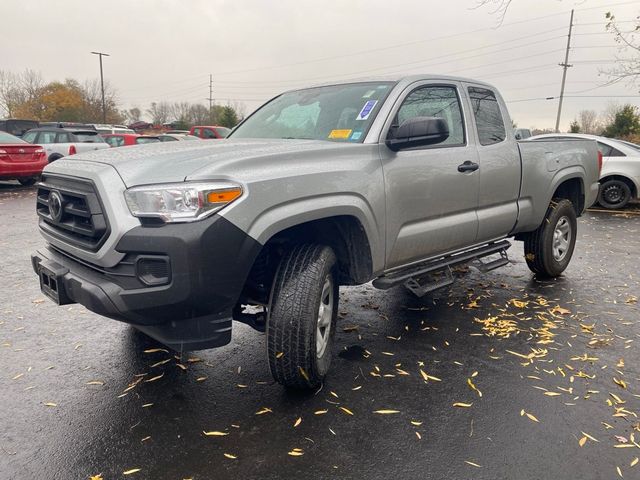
[(391, 181)]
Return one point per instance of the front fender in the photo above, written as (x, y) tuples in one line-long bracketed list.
[(291, 213)]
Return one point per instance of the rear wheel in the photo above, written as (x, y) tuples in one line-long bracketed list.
[(302, 316), (548, 249), (27, 182), (614, 194)]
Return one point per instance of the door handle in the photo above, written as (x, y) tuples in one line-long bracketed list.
[(468, 167)]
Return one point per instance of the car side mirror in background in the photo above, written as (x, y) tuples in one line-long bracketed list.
[(518, 136), (418, 132)]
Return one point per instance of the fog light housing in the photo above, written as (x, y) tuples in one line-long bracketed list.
[(153, 270)]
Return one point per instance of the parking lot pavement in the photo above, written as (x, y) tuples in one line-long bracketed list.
[(501, 376)]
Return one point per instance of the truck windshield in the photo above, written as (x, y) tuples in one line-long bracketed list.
[(341, 113)]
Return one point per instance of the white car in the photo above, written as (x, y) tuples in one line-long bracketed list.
[(620, 175), (60, 142), (103, 128)]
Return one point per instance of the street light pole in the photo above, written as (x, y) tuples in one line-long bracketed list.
[(104, 106)]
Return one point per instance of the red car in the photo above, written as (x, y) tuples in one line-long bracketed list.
[(126, 139), (207, 132), (20, 160)]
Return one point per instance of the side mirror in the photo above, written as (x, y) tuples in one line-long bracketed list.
[(418, 132)]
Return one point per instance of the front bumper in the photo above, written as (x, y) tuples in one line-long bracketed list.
[(209, 262)]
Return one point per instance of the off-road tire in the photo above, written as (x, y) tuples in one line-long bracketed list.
[(620, 191), (293, 314), (538, 245)]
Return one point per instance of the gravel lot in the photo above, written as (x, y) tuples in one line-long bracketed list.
[(499, 377)]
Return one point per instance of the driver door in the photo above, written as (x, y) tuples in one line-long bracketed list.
[(431, 206)]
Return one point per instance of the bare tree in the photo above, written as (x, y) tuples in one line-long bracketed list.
[(132, 115), (627, 68), (159, 112), (19, 89), (588, 121), (498, 7)]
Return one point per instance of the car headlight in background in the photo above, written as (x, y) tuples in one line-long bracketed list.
[(181, 202)]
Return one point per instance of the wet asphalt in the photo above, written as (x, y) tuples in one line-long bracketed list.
[(556, 364)]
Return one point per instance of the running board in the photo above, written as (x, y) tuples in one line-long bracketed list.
[(412, 274)]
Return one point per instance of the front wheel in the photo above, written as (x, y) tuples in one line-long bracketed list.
[(27, 182), (548, 249), (614, 194), (302, 316)]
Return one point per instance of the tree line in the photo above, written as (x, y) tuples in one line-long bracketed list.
[(617, 121), (27, 95)]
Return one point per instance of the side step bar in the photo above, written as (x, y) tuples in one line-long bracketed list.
[(412, 274)]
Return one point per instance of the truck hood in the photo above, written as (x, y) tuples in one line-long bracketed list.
[(208, 159)]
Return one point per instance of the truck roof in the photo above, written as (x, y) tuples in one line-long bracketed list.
[(400, 79)]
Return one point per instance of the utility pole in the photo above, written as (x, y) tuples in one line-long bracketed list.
[(564, 66), (210, 98), (104, 107)]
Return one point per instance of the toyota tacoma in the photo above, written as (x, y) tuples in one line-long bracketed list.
[(390, 181)]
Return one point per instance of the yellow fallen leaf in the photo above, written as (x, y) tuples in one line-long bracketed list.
[(320, 412), (346, 410), (133, 470), (155, 350), (428, 377), (146, 405), (582, 441), (518, 303), (559, 310), (279, 354), (620, 383), (181, 366), (96, 477), (386, 412), (589, 437), (296, 452), (228, 455), (463, 405), (473, 464), (18, 376), (619, 472), (415, 423), (161, 362), (552, 394), (215, 433), (50, 404), (303, 373), (298, 422), (473, 387), (532, 418), (153, 379), (201, 379), (634, 462), (263, 411), (95, 382)]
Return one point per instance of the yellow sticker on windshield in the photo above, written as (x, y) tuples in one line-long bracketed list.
[(340, 134)]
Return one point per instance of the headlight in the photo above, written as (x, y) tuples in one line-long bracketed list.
[(181, 202)]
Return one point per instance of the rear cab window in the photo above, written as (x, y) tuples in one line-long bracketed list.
[(488, 117)]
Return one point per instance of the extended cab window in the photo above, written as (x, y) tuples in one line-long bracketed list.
[(435, 101), (488, 116)]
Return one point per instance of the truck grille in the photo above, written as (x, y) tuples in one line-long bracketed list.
[(70, 210)]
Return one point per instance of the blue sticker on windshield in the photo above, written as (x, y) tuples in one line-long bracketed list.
[(356, 135), (366, 110)]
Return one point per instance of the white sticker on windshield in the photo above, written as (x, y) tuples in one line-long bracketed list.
[(368, 94), (366, 110)]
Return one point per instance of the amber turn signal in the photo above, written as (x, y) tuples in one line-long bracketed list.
[(224, 196)]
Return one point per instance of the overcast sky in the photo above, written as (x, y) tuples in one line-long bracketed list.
[(166, 49)]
